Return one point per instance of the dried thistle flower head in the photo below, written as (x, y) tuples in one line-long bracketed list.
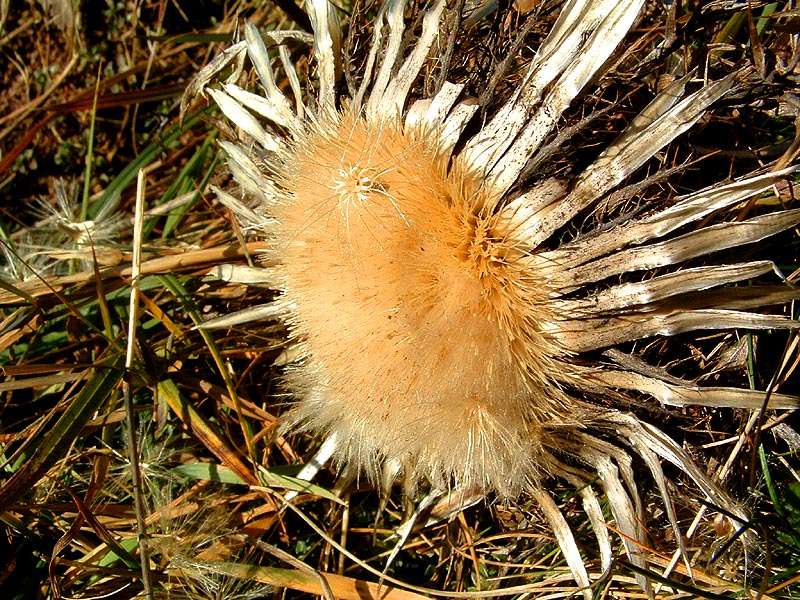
[(390, 253), (60, 237), (445, 324)]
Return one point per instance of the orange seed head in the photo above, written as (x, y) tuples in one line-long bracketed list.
[(419, 321)]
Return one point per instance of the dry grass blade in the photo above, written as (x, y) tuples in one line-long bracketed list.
[(690, 245), (346, 588), (171, 263), (11, 334), (687, 394), (204, 431), (263, 312), (130, 418), (627, 295), (566, 540), (238, 114), (245, 168), (46, 447), (591, 334), (233, 54), (240, 274), (275, 104), (686, 210), (41, 382)]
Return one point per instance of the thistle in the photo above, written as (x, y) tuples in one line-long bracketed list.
[(60, 237), (447, 321)]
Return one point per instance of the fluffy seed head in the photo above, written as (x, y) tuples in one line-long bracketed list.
[(421, 322)]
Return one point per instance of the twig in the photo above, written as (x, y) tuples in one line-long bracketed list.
[(133, 454)]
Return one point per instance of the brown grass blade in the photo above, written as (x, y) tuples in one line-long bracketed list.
[(591, 334), (204, 431), (47, 447), (343, 588), (171, 263)]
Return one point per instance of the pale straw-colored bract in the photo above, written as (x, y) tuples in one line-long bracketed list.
[(443, 331)]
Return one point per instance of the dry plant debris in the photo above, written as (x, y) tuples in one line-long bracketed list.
[(504, 263)]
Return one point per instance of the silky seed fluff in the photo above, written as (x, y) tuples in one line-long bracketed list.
[(421, 323)]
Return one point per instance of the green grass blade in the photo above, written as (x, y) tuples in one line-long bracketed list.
[(210, 472), (185, 182), (48, 446), (109, 199), (174, 285)]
